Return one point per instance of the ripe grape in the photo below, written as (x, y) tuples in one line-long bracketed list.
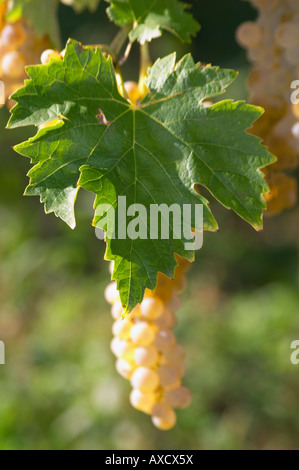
[(111, 293), (144, 379), (283, 192), (142, 334), (13, 65), (152, 308), (287, 35), (136, 313), (168, 375), (165, 340), (142, 401), (122, 349), (175, 303), (167, 321), (122, 328), (180, 397), (147, 357), (249, 34), (13, 35), (176, 355), (164, 418), (124, 368), (117, 310), (49, 54)]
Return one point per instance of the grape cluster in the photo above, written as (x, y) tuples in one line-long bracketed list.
[(147, 352), (19, 46), (272, 43)]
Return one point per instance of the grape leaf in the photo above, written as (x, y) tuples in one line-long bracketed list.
[(80, 5), (41, 15), (150, 17), (152, 153)]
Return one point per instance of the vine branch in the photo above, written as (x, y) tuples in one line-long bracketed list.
[(120, 39), (116, 45)]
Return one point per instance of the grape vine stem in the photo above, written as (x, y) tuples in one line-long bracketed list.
[(116, 45), (120, 39), (145, 63)]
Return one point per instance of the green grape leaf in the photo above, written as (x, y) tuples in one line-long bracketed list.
[(80, 5), (150, 17), (156, 152), (41, 15)]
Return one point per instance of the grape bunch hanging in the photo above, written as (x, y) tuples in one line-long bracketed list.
[(19, 46), (147, 352), (272, 42)]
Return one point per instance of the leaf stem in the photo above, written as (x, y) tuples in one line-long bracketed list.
[(116, 45), (125, 57), (120, 83), (120, 38), (145, 63)]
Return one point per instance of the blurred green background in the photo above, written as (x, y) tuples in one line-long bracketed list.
[(240, 312)]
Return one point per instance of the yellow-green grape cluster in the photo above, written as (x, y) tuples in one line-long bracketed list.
[(147, 351), (272, 43), (19, 46)]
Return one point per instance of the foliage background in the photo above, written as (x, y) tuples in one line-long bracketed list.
[(59, 388)]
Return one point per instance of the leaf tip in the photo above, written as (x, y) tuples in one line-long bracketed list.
[(125, 313)]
